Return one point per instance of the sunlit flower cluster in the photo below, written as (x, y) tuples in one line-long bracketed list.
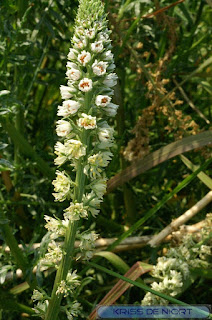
[(87, 244), (67, 286), (52, 257), (174, 270)]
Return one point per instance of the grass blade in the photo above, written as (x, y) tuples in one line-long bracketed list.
[(114, 259), (121, 286), (202, 176)]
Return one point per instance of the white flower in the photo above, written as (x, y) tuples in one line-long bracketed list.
[(97, 47), (68, 107), (85, 85), (102, 101), (84, 57), (105, 134), (56, 227), (67, 286), (108, 55), (65, 92), (37, 295), (75, 211), (88, 240), (73, 74), (98, 25), (72, 278), (74, 149), (87, 244), (90, 33), (71, 65), (62, 185), (99, 67), (79, 30), (71, 85), (41, 308), (87, 122), (72, 54), (79, 43), (111, 109), (103, 36), (53, 257), (96, 161), (99, 187), (110, 80), (92, 202), (75, 309), (52, 223), (63, 128), (60, 152)]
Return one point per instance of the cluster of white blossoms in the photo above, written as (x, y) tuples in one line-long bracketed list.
[(174, 270), (67, 286), (85, 136)]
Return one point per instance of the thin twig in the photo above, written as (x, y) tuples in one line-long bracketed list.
[(190, 102), (181, 220)]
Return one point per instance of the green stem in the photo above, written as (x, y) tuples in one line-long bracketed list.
[(66, 262)]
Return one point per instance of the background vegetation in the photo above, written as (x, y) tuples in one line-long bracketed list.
[(162, 52)]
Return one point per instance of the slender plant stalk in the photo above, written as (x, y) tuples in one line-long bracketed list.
[(65, 266)]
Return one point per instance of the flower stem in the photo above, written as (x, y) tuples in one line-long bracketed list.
[(66, 262)]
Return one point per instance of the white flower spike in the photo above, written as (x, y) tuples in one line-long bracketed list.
[(83, 150)]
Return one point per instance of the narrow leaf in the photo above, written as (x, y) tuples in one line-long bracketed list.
[(121, 286), (115, 260), (202, 176), (5, 165)]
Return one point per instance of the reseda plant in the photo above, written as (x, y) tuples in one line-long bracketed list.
[(83, 149), (174, 270)]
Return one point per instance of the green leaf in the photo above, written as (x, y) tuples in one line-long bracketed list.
[(3, 145), (4, 93), (202, 176), (115, 260), (5, 111), (5, 165), (20, 288)]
